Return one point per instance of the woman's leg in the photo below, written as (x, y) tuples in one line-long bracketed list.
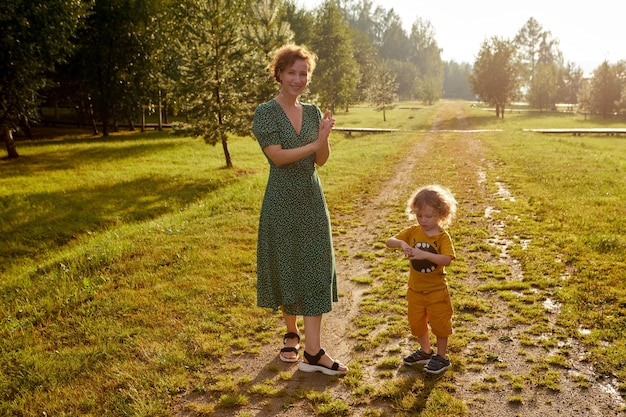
[(292, 327), (291, 322), (313, 340)]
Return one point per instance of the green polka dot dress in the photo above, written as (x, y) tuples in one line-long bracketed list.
[(295, 256)]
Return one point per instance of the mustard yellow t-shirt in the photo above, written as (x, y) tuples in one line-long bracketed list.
[(426, 275)]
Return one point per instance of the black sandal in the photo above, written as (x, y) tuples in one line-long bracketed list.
[(313, 365), (290, 335)]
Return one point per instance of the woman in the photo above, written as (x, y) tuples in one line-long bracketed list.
[(295, 257)]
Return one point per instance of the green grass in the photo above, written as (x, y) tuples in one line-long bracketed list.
[(128, 267)]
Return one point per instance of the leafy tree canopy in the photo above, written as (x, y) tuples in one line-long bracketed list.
[(34, 38)]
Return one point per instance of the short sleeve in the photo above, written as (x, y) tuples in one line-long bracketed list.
[(265, 125), (405, 235), (447, 248)]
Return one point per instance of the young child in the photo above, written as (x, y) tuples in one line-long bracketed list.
[(429, 248)]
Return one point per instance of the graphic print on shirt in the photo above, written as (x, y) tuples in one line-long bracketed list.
[(424, 266)]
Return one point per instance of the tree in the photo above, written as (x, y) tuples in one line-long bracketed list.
[(426, 55), (406, 74), (366, 56), (382, 90), (385, 31), (372, 24), (430, 88), (166, 59), (300, 22), (544, 87), (573, 79), (216, 72), (395, 42), (605, 90), (495, 77), (536, 46), (337, 74), (34, 38), (584, 97), (115, 61), (620, 74), (269, 31), (456, 81), (266, 33)]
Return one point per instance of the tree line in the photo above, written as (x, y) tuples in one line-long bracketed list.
[(111, 61), (531, 68)]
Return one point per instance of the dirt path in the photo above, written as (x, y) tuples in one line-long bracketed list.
[(486, 390)]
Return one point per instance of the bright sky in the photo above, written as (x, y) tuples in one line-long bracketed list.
[(588, 32)]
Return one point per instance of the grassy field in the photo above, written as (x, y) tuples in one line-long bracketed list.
[(128, 262)]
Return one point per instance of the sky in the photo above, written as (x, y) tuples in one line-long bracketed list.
[(588, 32)]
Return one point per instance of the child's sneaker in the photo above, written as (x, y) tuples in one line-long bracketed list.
[(437, 365), (418, 357)]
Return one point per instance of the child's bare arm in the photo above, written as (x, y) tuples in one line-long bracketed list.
[(396, 243)]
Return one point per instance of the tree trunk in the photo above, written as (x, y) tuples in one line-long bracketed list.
[(93, 117), (10, 143), (160, 113), (143, 118), (229, 162), (105, 122)]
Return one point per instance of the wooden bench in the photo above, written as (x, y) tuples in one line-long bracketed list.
[(580, 132), (365, 130), (378, 130)]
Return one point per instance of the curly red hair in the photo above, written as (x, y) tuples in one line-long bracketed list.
[(287, 55), (437, 197)]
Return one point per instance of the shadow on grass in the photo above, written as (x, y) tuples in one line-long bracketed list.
[(44, 135), (70, 157), (33, 224)]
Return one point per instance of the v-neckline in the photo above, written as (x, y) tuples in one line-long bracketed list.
[(296, 130)]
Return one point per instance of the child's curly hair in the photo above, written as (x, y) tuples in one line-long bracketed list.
[(439, 198)]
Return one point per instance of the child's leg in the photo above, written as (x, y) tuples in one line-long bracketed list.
[(440, 315), (418, 319), (425, 343), (442, 346)]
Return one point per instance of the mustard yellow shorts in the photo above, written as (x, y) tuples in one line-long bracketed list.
[(434, 307)]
